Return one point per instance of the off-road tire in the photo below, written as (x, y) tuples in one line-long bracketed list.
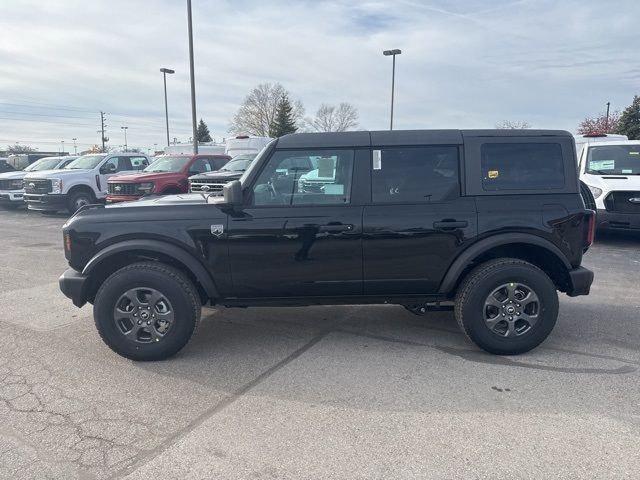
[(587, 197), (173, 284), (481, 282)]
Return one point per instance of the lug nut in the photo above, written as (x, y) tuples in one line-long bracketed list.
[(139, 322), (510, 318)]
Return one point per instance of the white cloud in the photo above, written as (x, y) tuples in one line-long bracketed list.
[(464, 64)]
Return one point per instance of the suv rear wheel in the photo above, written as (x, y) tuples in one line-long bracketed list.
[(147, 311), (507, 306)]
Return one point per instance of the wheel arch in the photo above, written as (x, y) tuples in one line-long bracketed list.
[(117, 255), (81, 187), (533, 249)]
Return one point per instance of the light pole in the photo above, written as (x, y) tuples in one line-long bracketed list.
[(606, 127), (166, 108), (75, 149), (125, 137), (193, 81), (62, 142), (392, 53)]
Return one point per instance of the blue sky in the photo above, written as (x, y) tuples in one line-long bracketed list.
[(465, 64)]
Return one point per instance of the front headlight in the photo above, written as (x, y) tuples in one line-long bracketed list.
[(595, 191), (56, 185), (146, 187), (16, 185)]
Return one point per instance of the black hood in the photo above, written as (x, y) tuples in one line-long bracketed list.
[(213, 176)]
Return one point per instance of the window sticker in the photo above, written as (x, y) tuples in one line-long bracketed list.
[(335, 189), (377, 159), (634, 153), (627, 171), (493, 173), (602, 164)]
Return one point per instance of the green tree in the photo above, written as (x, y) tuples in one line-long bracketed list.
[(284, 121), (629, 123), (203, 132)]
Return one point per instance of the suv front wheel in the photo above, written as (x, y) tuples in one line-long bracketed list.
[(147, 311), (507, 306)]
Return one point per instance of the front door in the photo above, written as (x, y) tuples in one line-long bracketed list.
[(301, 233), (417, 222)]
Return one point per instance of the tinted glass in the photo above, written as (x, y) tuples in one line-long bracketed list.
[(522, 166), (305, 178), (414, 174), (236, 165), (614, 160), (167, 164), (86, 161), (43, 164)]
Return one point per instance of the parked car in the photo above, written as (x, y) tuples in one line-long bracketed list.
[(244, 144), (11, 183), (80, 183), (4, 165), (167, 175), (611, 171), (212, 182), (489, 223)]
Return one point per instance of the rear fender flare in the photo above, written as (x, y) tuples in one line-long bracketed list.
[(464, 259)]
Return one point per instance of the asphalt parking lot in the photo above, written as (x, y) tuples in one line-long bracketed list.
[(349, 392)]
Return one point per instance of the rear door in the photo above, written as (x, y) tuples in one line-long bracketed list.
[(417, 222)]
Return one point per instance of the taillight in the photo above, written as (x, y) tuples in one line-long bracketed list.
[(67, 241), (591, 228)]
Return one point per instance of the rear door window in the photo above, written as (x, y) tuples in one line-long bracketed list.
[(522, 166), (414, 174)]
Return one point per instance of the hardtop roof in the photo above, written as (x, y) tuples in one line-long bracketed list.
[(403, 137)]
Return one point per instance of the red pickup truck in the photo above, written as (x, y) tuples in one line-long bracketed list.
[(167, 175)]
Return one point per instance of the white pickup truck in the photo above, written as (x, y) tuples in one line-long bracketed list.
[(82, 182), (611, 170), (11, 189)]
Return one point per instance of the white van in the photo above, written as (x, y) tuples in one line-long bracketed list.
[(245, 144), (611, 170), (582, 140)]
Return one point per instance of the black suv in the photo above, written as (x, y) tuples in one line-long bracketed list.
[(489, 223)]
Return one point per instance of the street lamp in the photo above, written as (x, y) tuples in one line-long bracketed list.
[(62, 142), (393, 54), (75, 149), (193, 80), (166, 108), (125, 137)]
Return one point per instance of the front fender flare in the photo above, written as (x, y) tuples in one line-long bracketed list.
[(464, 259), (180, 255)]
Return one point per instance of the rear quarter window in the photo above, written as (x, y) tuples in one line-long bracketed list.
[(522, 166)]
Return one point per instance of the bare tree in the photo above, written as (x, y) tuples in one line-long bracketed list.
[(17, 148), (258, 111), (600, 124), (511, 124), (331, 119)]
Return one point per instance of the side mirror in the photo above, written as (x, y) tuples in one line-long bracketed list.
[(232, 192), (108, 168)]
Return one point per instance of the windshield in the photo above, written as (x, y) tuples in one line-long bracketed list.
[(614, 160), (237, 165), (167, 164), (43, 164), (87, 161)]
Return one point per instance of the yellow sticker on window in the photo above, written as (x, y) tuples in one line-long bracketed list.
[(493, 173)]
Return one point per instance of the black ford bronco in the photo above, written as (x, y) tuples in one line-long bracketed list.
[(489, 223)]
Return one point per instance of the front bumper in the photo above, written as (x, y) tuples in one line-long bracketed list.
[(617, 221), (12, 197), (580, 280), (45, 202), (122, 198), (73, 285)]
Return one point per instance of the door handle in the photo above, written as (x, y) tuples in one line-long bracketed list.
[(335, 228), (450, 224)]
